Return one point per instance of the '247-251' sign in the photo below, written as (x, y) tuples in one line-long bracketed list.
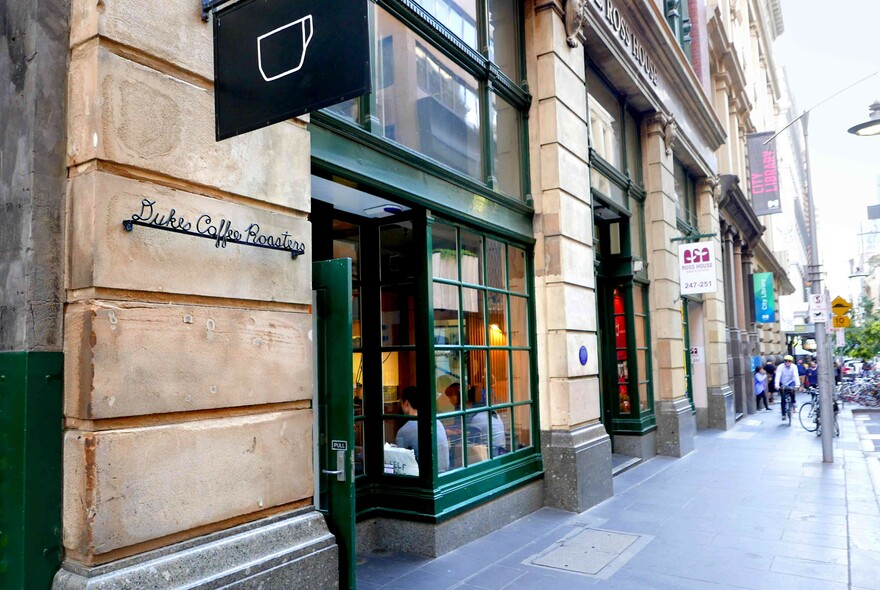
[(696, 264)]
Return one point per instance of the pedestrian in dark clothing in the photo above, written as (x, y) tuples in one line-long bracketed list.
[(770, 369), (837, 373), (812, 375)]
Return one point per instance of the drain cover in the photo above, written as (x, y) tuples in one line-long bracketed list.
[(586, 552), (737, 435)]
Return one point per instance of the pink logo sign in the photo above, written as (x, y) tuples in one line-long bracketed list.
[(696, 255)]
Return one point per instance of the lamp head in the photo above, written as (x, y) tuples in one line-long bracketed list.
[(872, 125)]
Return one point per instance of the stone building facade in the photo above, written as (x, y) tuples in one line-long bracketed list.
[(513, 196)]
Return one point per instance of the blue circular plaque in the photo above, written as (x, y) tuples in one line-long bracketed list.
[(582, 354)]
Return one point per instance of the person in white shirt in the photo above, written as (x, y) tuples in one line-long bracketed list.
[(787, 376)]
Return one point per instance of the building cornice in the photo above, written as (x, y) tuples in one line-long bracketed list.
[(736, 209)]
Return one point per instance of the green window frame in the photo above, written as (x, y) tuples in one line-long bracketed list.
[(456, 83), (679, 19), (686, 199), (686, 337), (482, 319)]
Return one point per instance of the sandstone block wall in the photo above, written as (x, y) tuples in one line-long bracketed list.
[(189, 371)]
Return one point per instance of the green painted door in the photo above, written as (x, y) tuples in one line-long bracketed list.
[(331, 282)]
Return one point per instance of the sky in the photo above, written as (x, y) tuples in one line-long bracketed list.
[(826, 46)]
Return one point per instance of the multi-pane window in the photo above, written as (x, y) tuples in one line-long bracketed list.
[(447, 86), (642, 345), (482, 367)]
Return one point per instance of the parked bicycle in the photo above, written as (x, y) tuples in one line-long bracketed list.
[(819, 420), (809, 411)]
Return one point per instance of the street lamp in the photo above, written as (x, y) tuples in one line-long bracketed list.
[(872, 125)]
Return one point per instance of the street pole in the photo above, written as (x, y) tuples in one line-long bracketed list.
[(826, 412)]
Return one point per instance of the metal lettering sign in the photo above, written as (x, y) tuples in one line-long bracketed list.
[(696, 264), (339, 445), (277, 59), (765, 301), (763, 173)]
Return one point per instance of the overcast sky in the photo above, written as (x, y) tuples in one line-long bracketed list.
[(826, 47)]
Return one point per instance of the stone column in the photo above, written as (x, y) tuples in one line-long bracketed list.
[(576, 447), (739, 335), (719, 411), (188, 381), (675, 421)]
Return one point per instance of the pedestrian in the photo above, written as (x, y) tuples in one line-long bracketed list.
[(838, 375), (761, 388), (802, 372), (770, 369), (812, 375), (786, 382)]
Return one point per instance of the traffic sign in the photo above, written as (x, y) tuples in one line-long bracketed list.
[(818, 309), (841, 321), (840, 306)]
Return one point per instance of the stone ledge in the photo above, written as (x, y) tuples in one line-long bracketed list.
[(294, 550), (577, 467)]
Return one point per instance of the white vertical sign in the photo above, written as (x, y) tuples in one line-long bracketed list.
[(818, 308), (841, 340), (696, 263)]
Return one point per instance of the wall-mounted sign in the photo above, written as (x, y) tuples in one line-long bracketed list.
[(221, 231), (697, 355), (696, 264), (277, 59), (582, 355), (626, 36), (765, 300), (763, 173)]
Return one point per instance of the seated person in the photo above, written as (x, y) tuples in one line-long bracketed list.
[(408, 435), (450, 400), (478, 431)]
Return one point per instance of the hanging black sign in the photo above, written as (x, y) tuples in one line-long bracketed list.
[(277, 59), (763, 173)]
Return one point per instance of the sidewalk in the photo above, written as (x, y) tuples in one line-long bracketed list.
[(753, 507)]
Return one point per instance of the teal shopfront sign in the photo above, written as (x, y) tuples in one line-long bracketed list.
[(765, 302)]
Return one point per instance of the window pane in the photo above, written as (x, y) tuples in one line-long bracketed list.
[(347, 244), (398, 315), (517, 267), (506, 145), (519, 321), (633, 149), (398, 373), (523, 424), (396, 251), (356, 339), (500, 381), (641, 332), (471, 258), (503, 37), (446, 314), (645, 397), (453, 429), (478, 437), (444, 253), (401, 447), (498, 330), (357, 366), (447, 366), (459, 16), (605, 116), (349, 109), (604, 185), (521, 376), (359, 448), (636, 229), (475, 370), (496, 267), (501, 434), (438, 116), (474, 320)]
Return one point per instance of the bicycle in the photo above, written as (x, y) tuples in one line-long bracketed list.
[(809, 411), (788, 391), (819, 421)]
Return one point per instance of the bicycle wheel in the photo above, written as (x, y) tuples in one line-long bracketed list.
[(807, 416)]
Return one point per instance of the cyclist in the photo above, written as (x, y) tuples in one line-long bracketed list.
[(787, 379)]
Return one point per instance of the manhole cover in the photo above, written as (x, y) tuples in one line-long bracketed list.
[(586, 552), (736, 435), (753, 422)]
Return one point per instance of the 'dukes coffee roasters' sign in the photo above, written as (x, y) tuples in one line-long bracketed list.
[(220, 230)]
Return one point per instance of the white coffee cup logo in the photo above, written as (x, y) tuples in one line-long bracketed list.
[(307, 30)]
